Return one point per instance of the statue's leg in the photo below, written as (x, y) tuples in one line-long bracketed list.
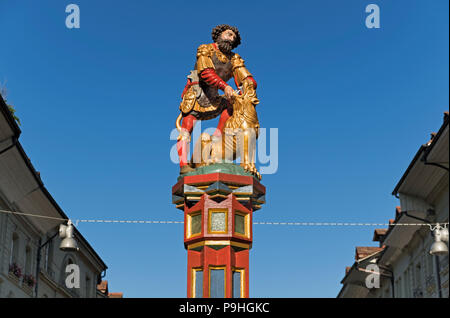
[(218, 145), (247, 150), (229, 144), (187, 125), (224, 116), (251, 147), (244, 148)]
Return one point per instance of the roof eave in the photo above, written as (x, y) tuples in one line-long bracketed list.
[(9, 118), (425, 149), (411, 165)]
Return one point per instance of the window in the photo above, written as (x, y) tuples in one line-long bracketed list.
[(28, 260), (48, 256), (218, 221), (398, 283), (197, 283), (194, 224), (408, 278), (14, 252), (238, 283), (217, 282), (88, 287), (405, 287), (418, 276)]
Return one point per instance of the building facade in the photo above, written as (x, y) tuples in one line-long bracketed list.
[(31, 263), (406, 268)]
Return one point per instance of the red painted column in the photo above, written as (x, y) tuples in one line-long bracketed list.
[(218, 214)]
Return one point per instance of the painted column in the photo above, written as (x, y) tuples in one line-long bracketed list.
[(218, 211)]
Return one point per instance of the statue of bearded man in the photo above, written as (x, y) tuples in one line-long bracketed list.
[(215, 65)]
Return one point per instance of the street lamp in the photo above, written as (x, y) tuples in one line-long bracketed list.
[(68, 244), (444, 234), (66, 233), (440, 235)]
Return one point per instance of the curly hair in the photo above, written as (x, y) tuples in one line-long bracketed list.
[(217, 31)]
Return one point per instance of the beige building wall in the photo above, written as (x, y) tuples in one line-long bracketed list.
[(423, 192), (22, 190), (53, 262)]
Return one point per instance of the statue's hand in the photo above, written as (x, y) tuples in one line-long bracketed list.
[(229, 92)]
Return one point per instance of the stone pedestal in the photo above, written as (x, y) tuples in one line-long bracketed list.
[(218, 211)]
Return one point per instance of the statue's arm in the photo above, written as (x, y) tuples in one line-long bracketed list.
[(244, 79), (205, 67), (241, 73)]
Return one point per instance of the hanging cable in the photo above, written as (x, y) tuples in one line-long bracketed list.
[(33, 215), (432, 226)]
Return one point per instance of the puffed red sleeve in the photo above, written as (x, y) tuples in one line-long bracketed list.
[(210, 76)]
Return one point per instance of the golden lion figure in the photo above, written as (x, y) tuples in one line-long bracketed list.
[(240, 134)]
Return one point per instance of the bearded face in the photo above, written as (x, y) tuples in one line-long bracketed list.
[(224, 46), (226, 37), (225, 42)]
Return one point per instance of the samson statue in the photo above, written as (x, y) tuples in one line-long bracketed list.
[(238, 124)]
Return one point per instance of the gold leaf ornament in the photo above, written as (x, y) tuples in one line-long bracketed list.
[(188, 101)]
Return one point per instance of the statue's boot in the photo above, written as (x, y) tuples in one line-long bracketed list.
[(185, 169)]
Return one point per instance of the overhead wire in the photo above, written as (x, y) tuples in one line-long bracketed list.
[(77, 221)]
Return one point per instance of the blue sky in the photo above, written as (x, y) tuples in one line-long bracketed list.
[(352, 106)]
